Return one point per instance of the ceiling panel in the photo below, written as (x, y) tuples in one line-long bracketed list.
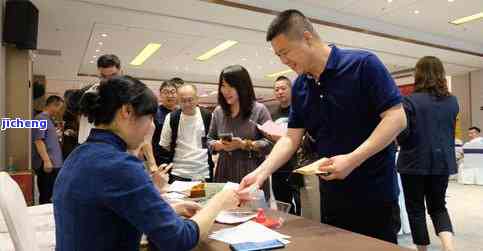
[(434, 17)]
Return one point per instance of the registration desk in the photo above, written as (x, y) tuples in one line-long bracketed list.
[(307, 235)]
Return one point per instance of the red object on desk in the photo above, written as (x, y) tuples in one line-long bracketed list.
[(24, 180)]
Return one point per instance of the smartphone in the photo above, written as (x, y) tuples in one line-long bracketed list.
[(257, 246), (226, 136)]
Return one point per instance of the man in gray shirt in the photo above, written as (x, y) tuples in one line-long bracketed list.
[(47, 154)]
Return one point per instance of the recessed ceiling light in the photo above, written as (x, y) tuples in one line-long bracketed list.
[(100, 43), (244, 59), (147, 52), (416, 12), (467, 19), (218, 49), (389, 1), (94, 56), (98, 50), (104, 35), (91, 62), (450, 1)]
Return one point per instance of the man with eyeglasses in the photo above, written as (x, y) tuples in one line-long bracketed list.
[(168, 103), (108, 66), (184, 136)]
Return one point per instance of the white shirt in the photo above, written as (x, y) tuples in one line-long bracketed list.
[(84, 125), (190, 158), (476, 140)]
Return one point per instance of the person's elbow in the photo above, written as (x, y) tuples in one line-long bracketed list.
[(402, 120)]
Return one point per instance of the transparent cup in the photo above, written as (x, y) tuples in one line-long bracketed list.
[(279, 211)]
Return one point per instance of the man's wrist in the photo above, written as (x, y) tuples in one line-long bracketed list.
[(357, 158)]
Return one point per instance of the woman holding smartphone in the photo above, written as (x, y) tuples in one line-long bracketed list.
[(233, 132)]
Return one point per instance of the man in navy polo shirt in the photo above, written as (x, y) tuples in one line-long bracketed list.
[(347, 101)]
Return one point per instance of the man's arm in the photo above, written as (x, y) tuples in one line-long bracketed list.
[(42, 150), (280, 154), (392, 123)]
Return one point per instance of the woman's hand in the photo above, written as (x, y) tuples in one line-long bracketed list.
[(160, 177), (235, 144), (186, 208), (228, 198)]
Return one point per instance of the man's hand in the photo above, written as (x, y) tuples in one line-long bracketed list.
[(250, 183), (339, 167), (186, 208), (48, 166)]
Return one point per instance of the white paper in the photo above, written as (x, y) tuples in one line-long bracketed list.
[(182, 186), (272, 128), (233, 217), (249, 231)]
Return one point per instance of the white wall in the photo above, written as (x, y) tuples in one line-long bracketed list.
[(461, 89), (476, 78), (2, 88)]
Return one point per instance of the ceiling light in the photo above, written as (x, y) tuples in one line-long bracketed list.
[(98, 50), (450, 1), (389, 1), (104, 35), (244, 59), (147, 52), (91, 62), (467, 19), (416, 12), (221, 47), (276, 74), (94, 56), (100, 43)]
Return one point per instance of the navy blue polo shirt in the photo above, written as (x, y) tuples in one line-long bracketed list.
[(340, 111)]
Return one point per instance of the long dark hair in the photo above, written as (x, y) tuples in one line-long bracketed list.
[(237, 77), (430, 77)]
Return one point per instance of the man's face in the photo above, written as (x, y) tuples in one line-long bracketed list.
[(108, 72), (282, 91), (167, 96), (58, 108), (473, 134), (188, 100), (295, 53)]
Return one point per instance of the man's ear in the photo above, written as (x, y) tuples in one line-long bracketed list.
[(308, 37)]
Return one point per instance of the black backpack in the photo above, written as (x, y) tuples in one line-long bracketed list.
[(174, 119)]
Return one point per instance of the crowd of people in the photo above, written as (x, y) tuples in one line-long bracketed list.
[(124, 144)]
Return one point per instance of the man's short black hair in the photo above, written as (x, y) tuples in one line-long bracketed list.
[(54, 99), (168, 83), (177, 81), (108, 60), (474, 128), (292, 23), (283, 78)]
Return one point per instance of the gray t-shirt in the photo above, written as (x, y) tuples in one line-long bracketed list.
[(51, 142)]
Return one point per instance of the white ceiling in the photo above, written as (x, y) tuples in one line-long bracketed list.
[(187, 28)]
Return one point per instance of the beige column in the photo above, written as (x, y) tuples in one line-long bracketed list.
[(18, 104)]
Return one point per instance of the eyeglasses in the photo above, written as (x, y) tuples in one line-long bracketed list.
[(168, 91)]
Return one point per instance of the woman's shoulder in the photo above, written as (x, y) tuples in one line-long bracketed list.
[(259, 106)]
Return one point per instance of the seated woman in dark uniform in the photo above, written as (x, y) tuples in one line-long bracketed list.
[(103, 197)]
